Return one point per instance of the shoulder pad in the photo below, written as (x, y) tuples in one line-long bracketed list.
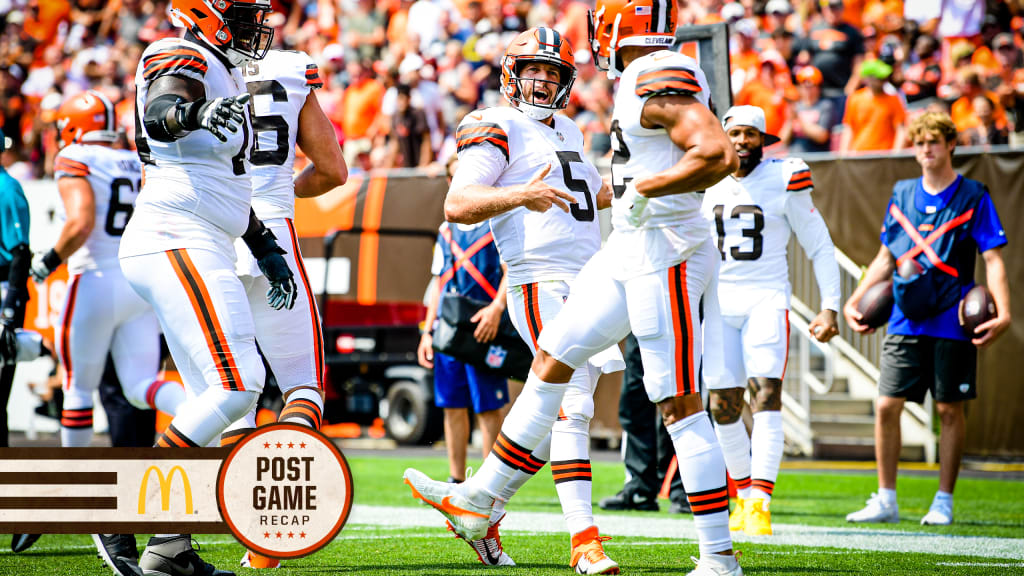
[(800, 175), (176, 59), (71, 162), (482, 127), (671, 74)]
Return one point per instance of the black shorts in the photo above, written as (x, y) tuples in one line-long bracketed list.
[(912, 365)]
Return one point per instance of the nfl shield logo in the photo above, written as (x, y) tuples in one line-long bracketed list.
[(496, 357)]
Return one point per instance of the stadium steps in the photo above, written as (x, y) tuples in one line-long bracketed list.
[(840, 402), (859, 448)]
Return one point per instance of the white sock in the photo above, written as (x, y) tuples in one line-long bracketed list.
[(702, 468), (305, 407), (570, 468), (526, 425), (888, 496), (736, 449), (766, 447), (941, 496)]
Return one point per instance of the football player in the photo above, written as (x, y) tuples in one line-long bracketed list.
[(515, 164), (286, 111), (101, 314), (751, 214), (193, 135), (648, 278)]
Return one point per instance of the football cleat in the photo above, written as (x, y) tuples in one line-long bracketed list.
[(467, 519), (254, 560), (119, 553), (488, 549), (939, 514), (738, 516), (629, 501), (22, 542), (588, 555), (876, 511), (175, 556), (717, 565), (759, 519)]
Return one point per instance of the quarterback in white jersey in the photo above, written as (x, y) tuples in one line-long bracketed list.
[(194, 137), (650, 279), (751, 214), (500, 151), (102, 314)]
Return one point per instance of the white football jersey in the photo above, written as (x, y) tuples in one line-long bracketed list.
[(114, 176), (279, 85), (550, 245), (751, 219), (197, 189), (674, 228)]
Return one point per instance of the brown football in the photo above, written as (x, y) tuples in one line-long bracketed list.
[(876, 305), (910, 268), (976, 308)]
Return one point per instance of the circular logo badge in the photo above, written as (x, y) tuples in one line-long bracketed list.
[(285, 491)]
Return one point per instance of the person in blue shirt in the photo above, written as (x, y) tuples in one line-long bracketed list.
[(15, 260), (942, 221)]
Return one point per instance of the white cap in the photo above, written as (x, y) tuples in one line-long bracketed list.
[(752, 116), (732, 12), (778, 7)]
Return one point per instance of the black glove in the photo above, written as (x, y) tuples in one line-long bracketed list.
[(264, 247), (43, 264), (8, 340), (213, 115)]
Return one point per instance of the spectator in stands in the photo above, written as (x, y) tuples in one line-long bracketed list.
[(873, 120), (921, 79), (963, 108), (744, 61), (836, 49), (360, 105), (409, 143), (768, 91), (364, 30), (985, 131), (811, 117), (1008, 84), (926, 349)]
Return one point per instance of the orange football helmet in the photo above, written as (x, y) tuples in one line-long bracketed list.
[(538, 45), (86, 117), (233, 27), (618, 23)]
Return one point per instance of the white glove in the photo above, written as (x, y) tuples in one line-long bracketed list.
[(226, 113), (634, 205)]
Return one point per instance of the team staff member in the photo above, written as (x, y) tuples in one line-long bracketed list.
[(15, 260), (925, 348), (752, 213), (177, 252)]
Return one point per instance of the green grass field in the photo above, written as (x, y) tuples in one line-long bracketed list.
[(808, 510)]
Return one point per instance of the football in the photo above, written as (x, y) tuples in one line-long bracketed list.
[(976, 308), (909, 268), (876, 305)]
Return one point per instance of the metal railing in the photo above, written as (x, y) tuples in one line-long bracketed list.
[(862, 351)]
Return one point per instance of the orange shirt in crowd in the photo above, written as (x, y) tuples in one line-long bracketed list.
[(756, 93), (962, 112), (873, 120), (360, 106), (43, 26)]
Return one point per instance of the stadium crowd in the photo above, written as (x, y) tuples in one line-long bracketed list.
[(832, 75)]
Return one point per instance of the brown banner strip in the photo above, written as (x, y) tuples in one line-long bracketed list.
[(114, 528), (58, 503), (113, 453), (58, 478)]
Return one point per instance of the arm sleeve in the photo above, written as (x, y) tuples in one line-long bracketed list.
[(812, 233), (480, 165), (987, 231)]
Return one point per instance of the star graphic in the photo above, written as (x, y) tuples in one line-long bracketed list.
[(302, 534), (266, 444), (291, 444), (278, 444), (278, 534), (302, 445), (266, 534), (291, 534)]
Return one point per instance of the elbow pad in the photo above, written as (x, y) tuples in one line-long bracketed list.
[(169, 117)]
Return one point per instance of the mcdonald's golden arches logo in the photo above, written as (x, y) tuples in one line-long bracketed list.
[(165, 488)]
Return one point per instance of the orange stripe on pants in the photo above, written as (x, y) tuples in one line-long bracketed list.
[(65, 337), (314, 313)]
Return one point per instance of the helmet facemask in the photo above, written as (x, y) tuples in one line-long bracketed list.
[(250, 37), (558, 91)]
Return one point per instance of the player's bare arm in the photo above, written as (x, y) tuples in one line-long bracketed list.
[(881, 269), (999, 286), (327, 169), (709, 156), (80, 210), (176, 106), (476, 203)]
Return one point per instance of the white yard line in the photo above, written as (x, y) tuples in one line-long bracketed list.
[(682, 529)]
